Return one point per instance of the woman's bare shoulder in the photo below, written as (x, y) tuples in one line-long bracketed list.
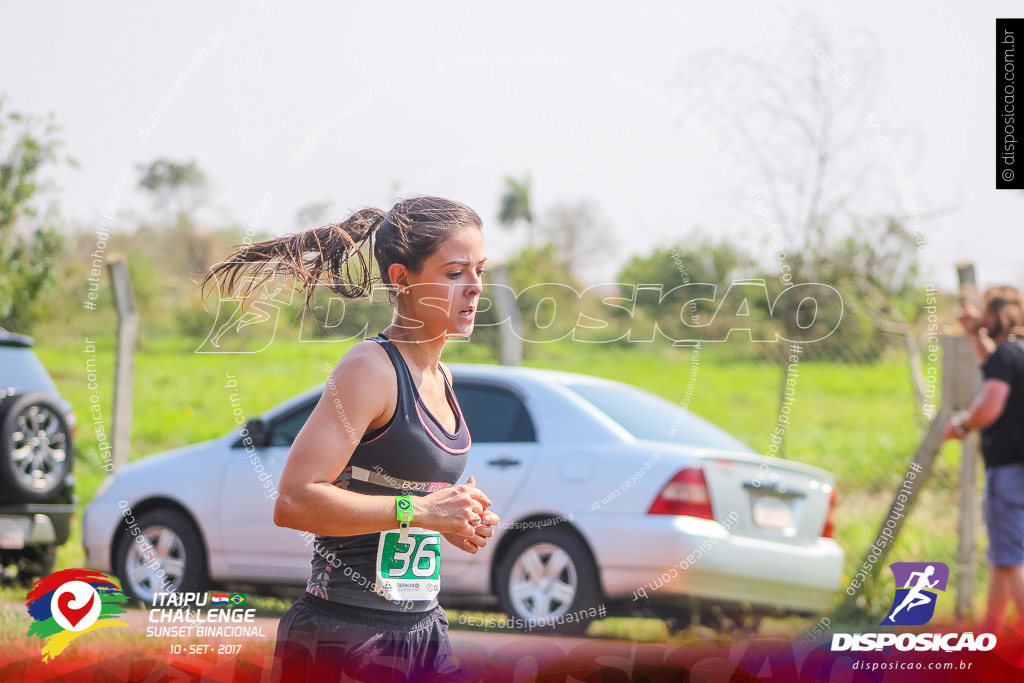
[(366, 364)]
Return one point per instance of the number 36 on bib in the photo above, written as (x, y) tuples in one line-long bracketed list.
[(409, 564)]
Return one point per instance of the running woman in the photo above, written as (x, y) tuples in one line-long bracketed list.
[(372, 472)]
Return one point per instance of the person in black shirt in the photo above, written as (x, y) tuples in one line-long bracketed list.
[(374, 470), (999, 414)]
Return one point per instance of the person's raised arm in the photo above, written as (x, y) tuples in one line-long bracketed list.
[(971, 322)]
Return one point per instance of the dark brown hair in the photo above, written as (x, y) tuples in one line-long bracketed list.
[(1006, 302), (337, 255)]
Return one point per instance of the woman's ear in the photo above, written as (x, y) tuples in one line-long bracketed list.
[(399, 276)]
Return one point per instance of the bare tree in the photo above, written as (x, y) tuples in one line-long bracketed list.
[(794, 115), (577, 233), (796, 124)]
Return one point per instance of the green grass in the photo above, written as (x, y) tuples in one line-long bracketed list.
[(858, 421)]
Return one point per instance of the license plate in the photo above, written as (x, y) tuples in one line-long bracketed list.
[(13, 532), (773, 512)]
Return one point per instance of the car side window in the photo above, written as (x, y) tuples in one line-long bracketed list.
[(494, 414), (285, 429)]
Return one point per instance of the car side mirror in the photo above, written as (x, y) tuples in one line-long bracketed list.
[(258, 432)]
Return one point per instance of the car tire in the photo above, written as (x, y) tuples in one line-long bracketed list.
[(547, 582), (35, 449), (169, 557)]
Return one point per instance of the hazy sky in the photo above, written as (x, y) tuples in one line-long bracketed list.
[(418, 98)]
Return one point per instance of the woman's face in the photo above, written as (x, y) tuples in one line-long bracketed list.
[(441, 299)]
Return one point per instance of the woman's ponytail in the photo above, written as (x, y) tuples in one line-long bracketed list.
[(338, 256), (332, 256)]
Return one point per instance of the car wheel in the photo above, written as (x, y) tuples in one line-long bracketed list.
[(35, 448), (548, 582), (167, 555)]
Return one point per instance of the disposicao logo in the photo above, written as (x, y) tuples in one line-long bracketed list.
[(916, 586), (71, 602)]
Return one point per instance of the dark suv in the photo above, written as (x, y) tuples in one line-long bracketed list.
[(36, 485)]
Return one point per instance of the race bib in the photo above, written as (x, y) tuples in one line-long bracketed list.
[(409, 564)]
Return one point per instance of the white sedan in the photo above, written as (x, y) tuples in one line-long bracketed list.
[(608, 496)]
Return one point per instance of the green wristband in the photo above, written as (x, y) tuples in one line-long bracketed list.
[(403, 511)]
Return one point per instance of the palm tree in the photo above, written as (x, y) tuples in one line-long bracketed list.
[(515, 205)]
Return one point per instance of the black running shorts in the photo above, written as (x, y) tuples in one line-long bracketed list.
[(319, 640)]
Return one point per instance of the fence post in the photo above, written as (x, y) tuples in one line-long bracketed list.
[(510, 344), (961, 381), (124, 371)]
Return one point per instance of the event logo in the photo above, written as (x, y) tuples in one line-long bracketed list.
[(916, 586), (71, 602)]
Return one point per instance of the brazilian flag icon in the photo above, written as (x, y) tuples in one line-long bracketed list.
[(237, 598)]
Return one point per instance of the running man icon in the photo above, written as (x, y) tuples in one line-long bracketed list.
[(917, 585), (914, 596)]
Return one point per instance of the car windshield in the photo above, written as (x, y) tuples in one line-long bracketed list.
[(652, 418)]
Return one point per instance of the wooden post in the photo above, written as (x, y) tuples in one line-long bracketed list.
[(124, 372), (967, 527), (510, 341), (921, 465), (968, 284), (961, 382)]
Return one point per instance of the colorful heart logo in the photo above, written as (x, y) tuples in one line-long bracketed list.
[(72, 614), (70, 603), (76, 606)]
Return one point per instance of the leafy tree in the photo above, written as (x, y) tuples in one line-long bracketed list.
[(312, 215), (178, 187), (697, 259), (547, 294), (30, 245), (28, 282)]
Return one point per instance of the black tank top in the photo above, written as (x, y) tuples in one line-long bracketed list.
[(412, 454)]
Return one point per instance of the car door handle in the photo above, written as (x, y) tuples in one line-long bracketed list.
[(503, 462)]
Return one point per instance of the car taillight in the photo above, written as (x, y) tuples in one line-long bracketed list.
[(830, 519), (685, 494)]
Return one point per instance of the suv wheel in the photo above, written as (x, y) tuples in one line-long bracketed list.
[(35, 448)]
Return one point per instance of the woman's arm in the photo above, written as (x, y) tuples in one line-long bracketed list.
[(361, 392)]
